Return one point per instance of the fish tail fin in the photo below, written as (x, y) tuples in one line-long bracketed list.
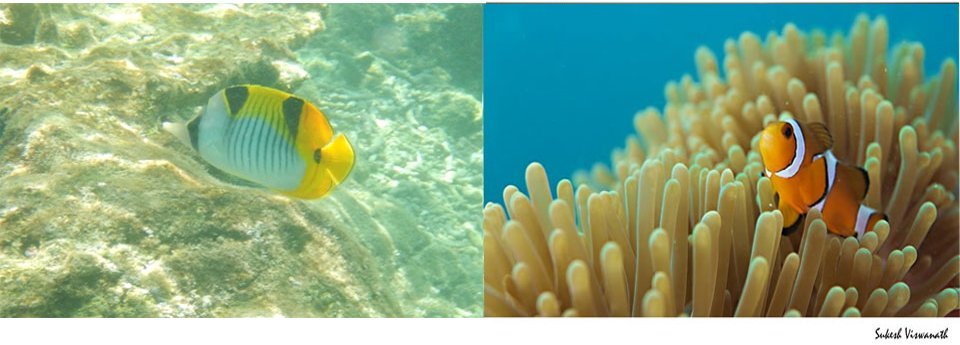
[(338, 157)]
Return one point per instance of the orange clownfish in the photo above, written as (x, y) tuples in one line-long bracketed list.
[(806, 175)]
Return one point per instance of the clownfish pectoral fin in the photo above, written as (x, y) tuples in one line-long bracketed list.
[(856, 178), (791, 218), (820, 134)]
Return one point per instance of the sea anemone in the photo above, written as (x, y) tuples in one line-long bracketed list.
[(684, 224)]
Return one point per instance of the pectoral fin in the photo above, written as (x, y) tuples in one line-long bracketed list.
[(791, 218)]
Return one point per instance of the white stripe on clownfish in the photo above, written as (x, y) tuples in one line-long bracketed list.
[(801, 150), (831, 164), (863, 216)]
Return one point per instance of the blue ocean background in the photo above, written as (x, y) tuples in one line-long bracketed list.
[(563, 82)]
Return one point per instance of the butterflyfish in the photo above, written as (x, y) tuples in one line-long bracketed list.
[(271, 138), (806, 175)]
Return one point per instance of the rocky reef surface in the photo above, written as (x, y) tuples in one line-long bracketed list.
[(104, 214)]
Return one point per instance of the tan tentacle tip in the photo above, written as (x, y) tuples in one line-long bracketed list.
[(948, 300), (547, 304), (908, 140), (851, 312), (536, 168)]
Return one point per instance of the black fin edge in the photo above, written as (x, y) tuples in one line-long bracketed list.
[(193, 129), (866, 179), (787, 230)]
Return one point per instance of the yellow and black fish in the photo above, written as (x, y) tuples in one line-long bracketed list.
[(271, 138), (806, 174)]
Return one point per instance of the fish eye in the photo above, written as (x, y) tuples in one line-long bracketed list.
[(787, 131), (316, 156)]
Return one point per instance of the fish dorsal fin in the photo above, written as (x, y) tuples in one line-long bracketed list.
[(820, 133), (856, 179)]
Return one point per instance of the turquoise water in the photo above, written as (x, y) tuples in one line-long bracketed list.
[(562, 82), (104, 214)]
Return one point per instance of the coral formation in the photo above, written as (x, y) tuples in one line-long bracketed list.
[(684, 223), (104, 214)]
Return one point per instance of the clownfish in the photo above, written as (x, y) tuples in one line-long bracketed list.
[(271, 138), (806, 175)]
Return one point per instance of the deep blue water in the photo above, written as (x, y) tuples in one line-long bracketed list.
[(562, 82)]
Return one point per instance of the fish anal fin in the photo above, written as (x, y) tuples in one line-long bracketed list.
[(821, 134)]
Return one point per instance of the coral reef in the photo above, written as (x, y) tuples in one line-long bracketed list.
[(427, 42), (104, 214), (419, 143), (684, 223)]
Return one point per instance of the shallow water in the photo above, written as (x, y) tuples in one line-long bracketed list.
[(104, 214)]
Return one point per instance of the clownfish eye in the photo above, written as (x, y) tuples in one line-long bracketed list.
[(787, 131)]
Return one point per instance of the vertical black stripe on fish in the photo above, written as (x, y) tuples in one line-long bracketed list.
[(233, 129), (238, 142), (272, 143), (248, 133), (245, 142), (292, 108), (265, 147), (265, 136), (236, 97), (255, 139), (227, 139), (249, 151), (255, 149), (193, 130), (235, 142), (276, 147), (284, 160), (275, 140)]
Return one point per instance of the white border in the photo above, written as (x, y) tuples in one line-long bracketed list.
[(581, 331)]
